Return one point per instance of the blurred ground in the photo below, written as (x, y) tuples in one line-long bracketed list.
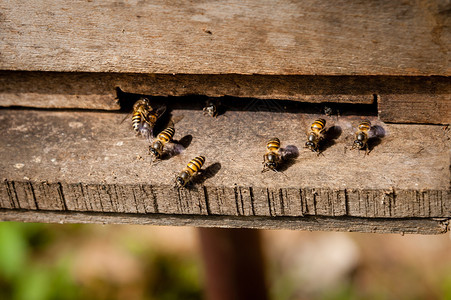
[(48, 261)]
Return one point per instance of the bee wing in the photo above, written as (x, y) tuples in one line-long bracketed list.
[(289, 152), (376, 131), (174, 120), (160, 111), (174, 148), (127, 115), (146, 130)]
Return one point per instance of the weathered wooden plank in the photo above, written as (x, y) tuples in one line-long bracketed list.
[(218, 37), (426, 108), (310, 223), (90, 162)]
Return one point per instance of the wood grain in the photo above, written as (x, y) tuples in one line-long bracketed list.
[(227, 37), (415, 108), (89, 162)]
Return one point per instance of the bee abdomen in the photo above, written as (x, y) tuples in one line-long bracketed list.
[(273, 144), (318, 125), (196, 164), (136, 121), (365, 125), (167, 134)]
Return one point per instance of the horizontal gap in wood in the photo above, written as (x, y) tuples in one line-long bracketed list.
[(400, 99), (309, 223)]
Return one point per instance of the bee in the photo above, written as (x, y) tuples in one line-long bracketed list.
[(189, 171), (211, 108), (164, 137), (315, 135), (362, 135), (275, 155), (165, 145), (144, 117), (272, 158)]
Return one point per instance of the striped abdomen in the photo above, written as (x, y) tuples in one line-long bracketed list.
[(166, 135), (318, 125), (136, 120), (188, 172), (195, 164), (273, 145), (365, 125)]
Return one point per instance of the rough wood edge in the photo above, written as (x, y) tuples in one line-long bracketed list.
[(220, 200), (310, 223)]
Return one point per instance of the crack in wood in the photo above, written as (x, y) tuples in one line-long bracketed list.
[(235, 191), (304, 205), (269, 203), (17, 204), (282, 204), (242, 202), (207, 202), (136, 202), (61, 195), (251, 195), (33, 195), (314, 201)]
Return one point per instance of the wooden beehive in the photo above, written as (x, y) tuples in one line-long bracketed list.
[(66, 157)]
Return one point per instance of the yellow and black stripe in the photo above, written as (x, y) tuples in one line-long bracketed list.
[(365, 125), (166, 135), (318, 125), (195, 164), (136, 120), (273, 144)]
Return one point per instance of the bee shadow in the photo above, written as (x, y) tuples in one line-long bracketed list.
[(376, 139), (330, 137), (291, 152), (185, 141), (207, 173)]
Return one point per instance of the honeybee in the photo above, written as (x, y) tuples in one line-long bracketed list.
[(362, 135), (275, 155), (164, 144), (144, 117), (272, 158), (211, 108), (315, 135), (189, 171), (164, 137)]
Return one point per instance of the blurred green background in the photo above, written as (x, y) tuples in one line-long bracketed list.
[(53, 261)]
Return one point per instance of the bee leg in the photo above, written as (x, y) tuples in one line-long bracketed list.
[(317, 151), (280, 173), (155, 162)]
